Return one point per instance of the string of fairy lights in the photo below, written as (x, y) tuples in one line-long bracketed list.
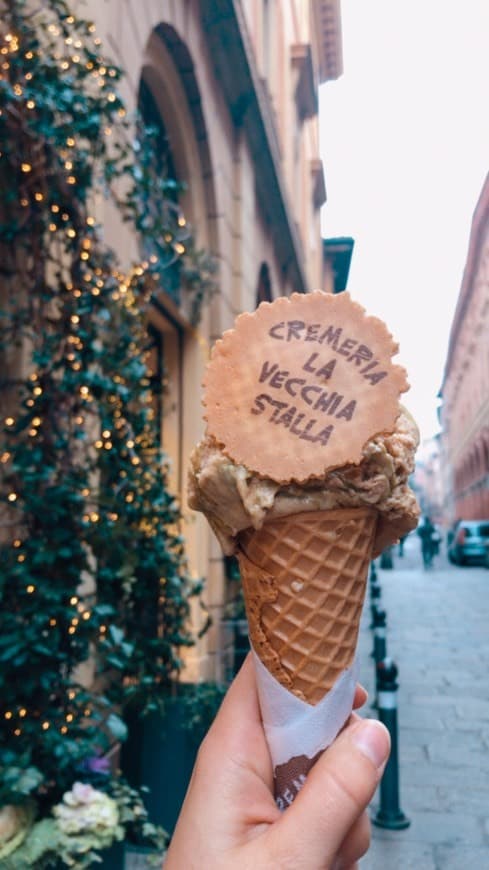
[(132, 290)]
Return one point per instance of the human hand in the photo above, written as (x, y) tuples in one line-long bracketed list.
[(229, 819)]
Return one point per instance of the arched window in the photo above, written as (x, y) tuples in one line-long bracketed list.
[(164, 165), (164, 347), (152, 117)]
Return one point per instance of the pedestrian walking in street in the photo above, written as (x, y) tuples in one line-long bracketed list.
[(429, 541)]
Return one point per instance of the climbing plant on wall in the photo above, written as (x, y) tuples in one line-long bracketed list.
[(93, 573)]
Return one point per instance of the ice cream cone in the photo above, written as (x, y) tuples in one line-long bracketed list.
[(304, 580), (303, 473)]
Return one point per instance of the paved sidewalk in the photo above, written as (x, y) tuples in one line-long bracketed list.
[(438, 634)]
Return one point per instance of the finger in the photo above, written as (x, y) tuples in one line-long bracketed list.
[(360, 697), (337, 791), (237, 732), (240, 706), (355, 844)]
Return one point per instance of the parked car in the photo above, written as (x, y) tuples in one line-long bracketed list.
[(470, 543)]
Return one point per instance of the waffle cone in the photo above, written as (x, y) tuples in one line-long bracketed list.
[(304, 580)]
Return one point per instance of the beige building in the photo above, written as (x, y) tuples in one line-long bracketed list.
[(429, 481), (233, 87), (465, 390)]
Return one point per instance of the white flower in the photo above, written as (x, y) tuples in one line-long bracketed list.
[(85, 809), (82, 793)]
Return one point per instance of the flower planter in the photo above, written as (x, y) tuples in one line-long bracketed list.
[(138, 858), (113, 858), (159, 754)]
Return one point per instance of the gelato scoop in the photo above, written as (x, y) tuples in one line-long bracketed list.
[(233, 498)]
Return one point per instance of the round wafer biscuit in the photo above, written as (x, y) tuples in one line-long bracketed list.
[(298, 387)]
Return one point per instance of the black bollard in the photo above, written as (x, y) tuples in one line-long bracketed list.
[(375, 603), (379, 626), (386, 561), (379, 651), (375, 590), (389, 814)]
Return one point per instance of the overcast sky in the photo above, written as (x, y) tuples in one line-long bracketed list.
[(405, 145)]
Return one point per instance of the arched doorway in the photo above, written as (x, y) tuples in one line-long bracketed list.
[(169, 101)]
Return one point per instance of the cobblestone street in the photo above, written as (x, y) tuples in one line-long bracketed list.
[(438, 635)]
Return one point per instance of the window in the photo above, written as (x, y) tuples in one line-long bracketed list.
[(164, 358), (264, 287), (165, 167), (154, 359)]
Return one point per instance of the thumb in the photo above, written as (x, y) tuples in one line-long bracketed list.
[(337, 791)]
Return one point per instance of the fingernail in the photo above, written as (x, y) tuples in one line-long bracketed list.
[(372, 739)]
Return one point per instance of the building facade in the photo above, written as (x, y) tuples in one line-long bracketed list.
[(428, 480), (232, 86), (465, 389)]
